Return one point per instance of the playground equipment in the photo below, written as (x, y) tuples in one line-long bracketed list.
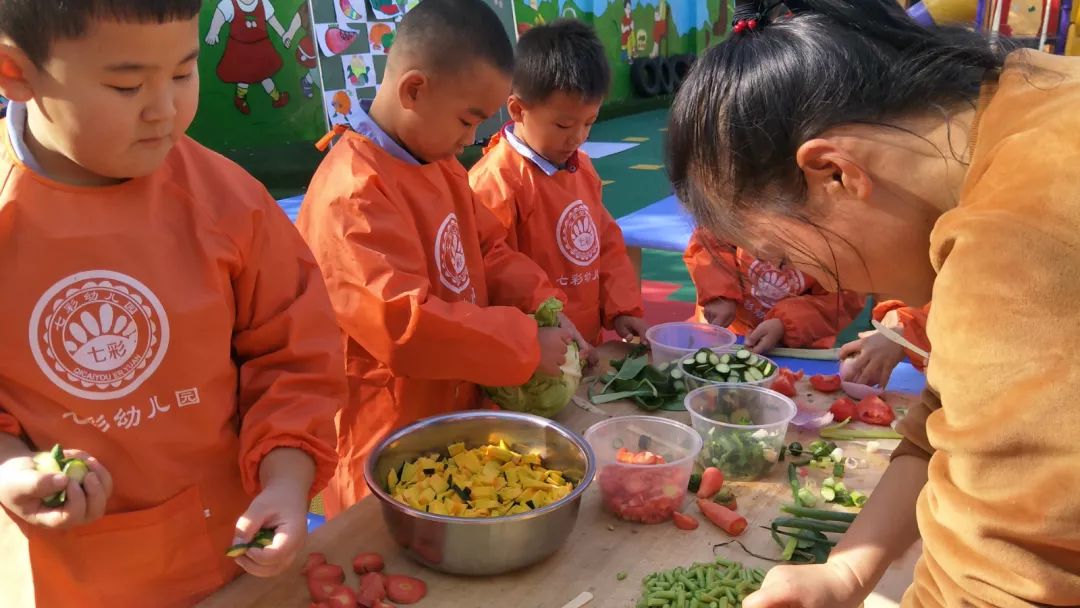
[(1040, 24)]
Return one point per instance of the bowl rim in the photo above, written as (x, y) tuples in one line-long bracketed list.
[(716, 328), (682, 368), (695, 437), (574, 438), (788, 401)]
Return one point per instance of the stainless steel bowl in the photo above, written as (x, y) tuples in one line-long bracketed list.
[(482, 546)]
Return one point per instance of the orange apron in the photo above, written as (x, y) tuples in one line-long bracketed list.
[(560, 222), (812, 317), (429, 295), (146, 305)]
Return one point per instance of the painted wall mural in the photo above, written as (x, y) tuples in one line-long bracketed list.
[(283, 71)]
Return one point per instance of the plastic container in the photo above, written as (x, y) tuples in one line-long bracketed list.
[(694, 382), (647, 494), (741, 451), (671, 341)]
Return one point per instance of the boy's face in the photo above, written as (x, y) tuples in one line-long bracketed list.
[(555, 127), (111, 104), (443, 111)]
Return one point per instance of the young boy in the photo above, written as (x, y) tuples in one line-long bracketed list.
[(545, 191), (770, 305), (160, 319), (425, 288)]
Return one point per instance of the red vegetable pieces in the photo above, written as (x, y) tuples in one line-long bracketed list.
[(784, 385), (727, 520), (405, 589), (341, 597), (684, 522), (313, 559), (842, 409), (368, 562), (372, 588), (873, 410), (825, 384), (712, 479)]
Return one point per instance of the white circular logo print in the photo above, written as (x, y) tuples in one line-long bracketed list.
[(99, 334), (576, 234), (771, 284), (450, 256)]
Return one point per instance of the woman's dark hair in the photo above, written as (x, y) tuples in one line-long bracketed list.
[(751, 101)]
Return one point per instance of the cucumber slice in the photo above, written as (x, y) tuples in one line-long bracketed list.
[(663, 367), (725, 358), (723, 369), (769, 369), (738, 366), (44, 462), (753, 360), (714, 359), (734, 379), (236, 550), (828, 494), (702, 357), (680, 386), (755, 374), (76, 469), (676, 373), (742, 355)]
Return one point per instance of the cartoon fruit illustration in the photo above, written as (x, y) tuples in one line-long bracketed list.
[(357, 71), (338, 40), (341, 103), (386, 7), (377, 36), (348, 10)]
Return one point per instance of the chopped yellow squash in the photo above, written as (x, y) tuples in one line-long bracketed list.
[(488, 481)]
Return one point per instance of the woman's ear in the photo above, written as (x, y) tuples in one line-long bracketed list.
[(831, 170), (14, 71)]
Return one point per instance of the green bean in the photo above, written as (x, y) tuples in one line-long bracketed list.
[(820, 514), (810, 524)]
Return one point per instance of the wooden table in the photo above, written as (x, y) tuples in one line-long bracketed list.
[(599, 548)]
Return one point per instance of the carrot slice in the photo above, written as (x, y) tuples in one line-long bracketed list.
[(684, 522), (368, 562), (727, 520), (313, 559), (341, 597), (327, 572), (712, 479), (405, 589)]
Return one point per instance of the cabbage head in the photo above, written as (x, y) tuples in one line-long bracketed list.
[(543, 395)]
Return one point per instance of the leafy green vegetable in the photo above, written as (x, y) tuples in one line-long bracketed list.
[(632, 378), (543, 395)]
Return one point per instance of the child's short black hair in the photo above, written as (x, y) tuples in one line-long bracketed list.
[(564, 56), (449, 35), (33, 25)]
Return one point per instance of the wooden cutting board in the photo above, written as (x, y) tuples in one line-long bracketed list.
[(599, 548)]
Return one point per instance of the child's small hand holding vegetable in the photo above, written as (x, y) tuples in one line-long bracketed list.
[(286, 475), (766, 336), (630, 327), (875, 358), (553, 343), (24, 489), (828, 585), (720, 311)]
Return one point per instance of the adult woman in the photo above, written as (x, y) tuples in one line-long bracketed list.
[(846, 140)]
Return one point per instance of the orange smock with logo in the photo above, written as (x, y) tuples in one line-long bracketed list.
[(429, 295), (556, 217), (811, 316), (178, 331)]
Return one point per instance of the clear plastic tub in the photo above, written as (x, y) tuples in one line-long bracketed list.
[(642, 493), (695, 382), (741, 451), (671, 341)]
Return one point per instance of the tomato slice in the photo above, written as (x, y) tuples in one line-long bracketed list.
[(793, 376), (873, 410), (842, 409), (784, 386), (825, 384), (368, 562)]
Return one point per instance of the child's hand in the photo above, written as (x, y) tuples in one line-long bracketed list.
[(875, 359), (553, 342), (281, 507), (584, 348), (630, 327), (828, 585), (23, 490), (720, 311), (765, 336)]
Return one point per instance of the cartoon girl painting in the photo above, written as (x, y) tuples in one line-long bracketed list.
[(660, 27), (249, 55), (626, 39), (305, 48)]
